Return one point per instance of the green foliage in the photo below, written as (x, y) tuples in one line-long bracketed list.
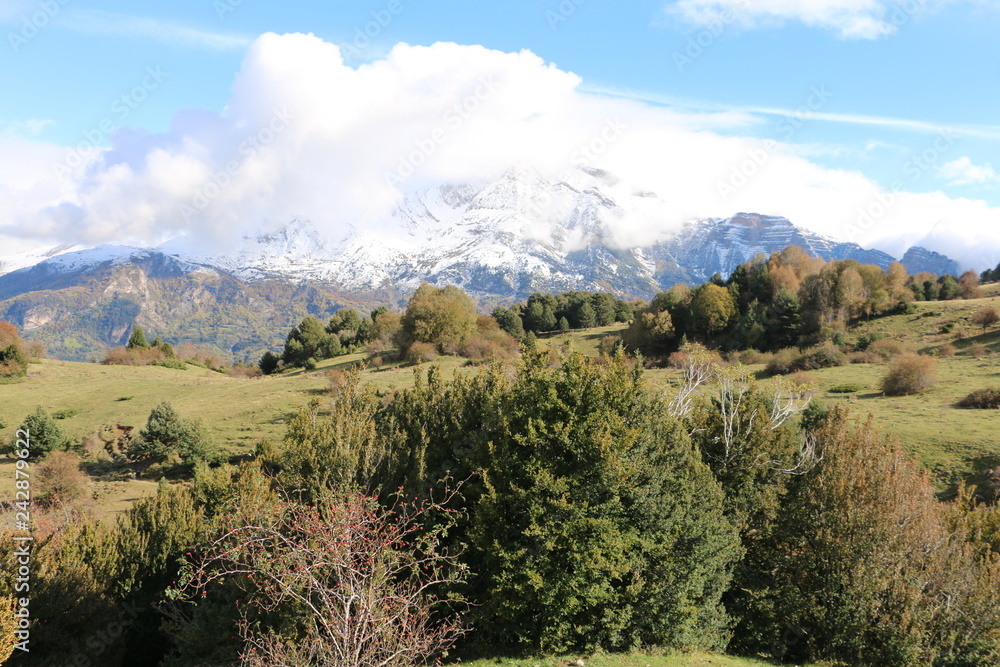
[(712, 309), (442, 316), (851, 388), (861, 564), (45, 434), (269, 363), (137, 339), (166, 433), (339, 451), (509, 321), (345, 319), (588, 490)]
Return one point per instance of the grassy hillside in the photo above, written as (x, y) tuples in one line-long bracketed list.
[(954, 444)]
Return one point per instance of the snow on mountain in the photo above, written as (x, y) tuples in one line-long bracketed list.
[(27, 259), (512, 236)]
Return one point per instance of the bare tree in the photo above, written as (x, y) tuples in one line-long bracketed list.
[(699, 368), (368, 578)]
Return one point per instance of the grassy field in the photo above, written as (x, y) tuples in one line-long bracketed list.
[(954, 444), (635, 660)]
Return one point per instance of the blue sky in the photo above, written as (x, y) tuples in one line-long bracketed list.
[(904, 95)]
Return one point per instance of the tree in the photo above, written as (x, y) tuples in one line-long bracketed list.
[(712, 309), (585, 316), (345, 319), (862, 566), (563, 325), (137, 340), (269, 363), (509, 321), (782, 320), (540, 313), (166, 433), (347, 583), (949, 287), (986, 317), (44, 433), (968, 286), (442, 316), (13, 352), (589, 486), (604, 308), (309, 340)]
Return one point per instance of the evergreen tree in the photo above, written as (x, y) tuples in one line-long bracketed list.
[(44, 433), (268, 362), (563, 324), (137, 340), (510, 321)]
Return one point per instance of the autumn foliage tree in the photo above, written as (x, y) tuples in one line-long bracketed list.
[(986, 317), (13, 352)]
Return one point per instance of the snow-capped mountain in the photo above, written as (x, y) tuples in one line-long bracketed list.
[(518, 234)]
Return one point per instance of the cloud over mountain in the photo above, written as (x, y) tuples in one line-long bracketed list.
[(305, 135)]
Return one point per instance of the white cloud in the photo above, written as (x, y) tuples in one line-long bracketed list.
[(850, 19), (963, 172), (305, 135), (98, 22)]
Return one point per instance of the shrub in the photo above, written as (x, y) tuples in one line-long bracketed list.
[(36, 350), (608, 344), (978, 350), (826, 355), (65, 414), (946, 350), (910, 374), (863, 358), (419, 353), (850, 388), (175, 364), (45, 434), (492, 344), (782, 362), (982, 399), (887, 349), (60, 480), (867, 339), (242, 370), (310, 364)]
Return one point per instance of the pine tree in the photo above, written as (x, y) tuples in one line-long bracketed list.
[(137, 340)]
